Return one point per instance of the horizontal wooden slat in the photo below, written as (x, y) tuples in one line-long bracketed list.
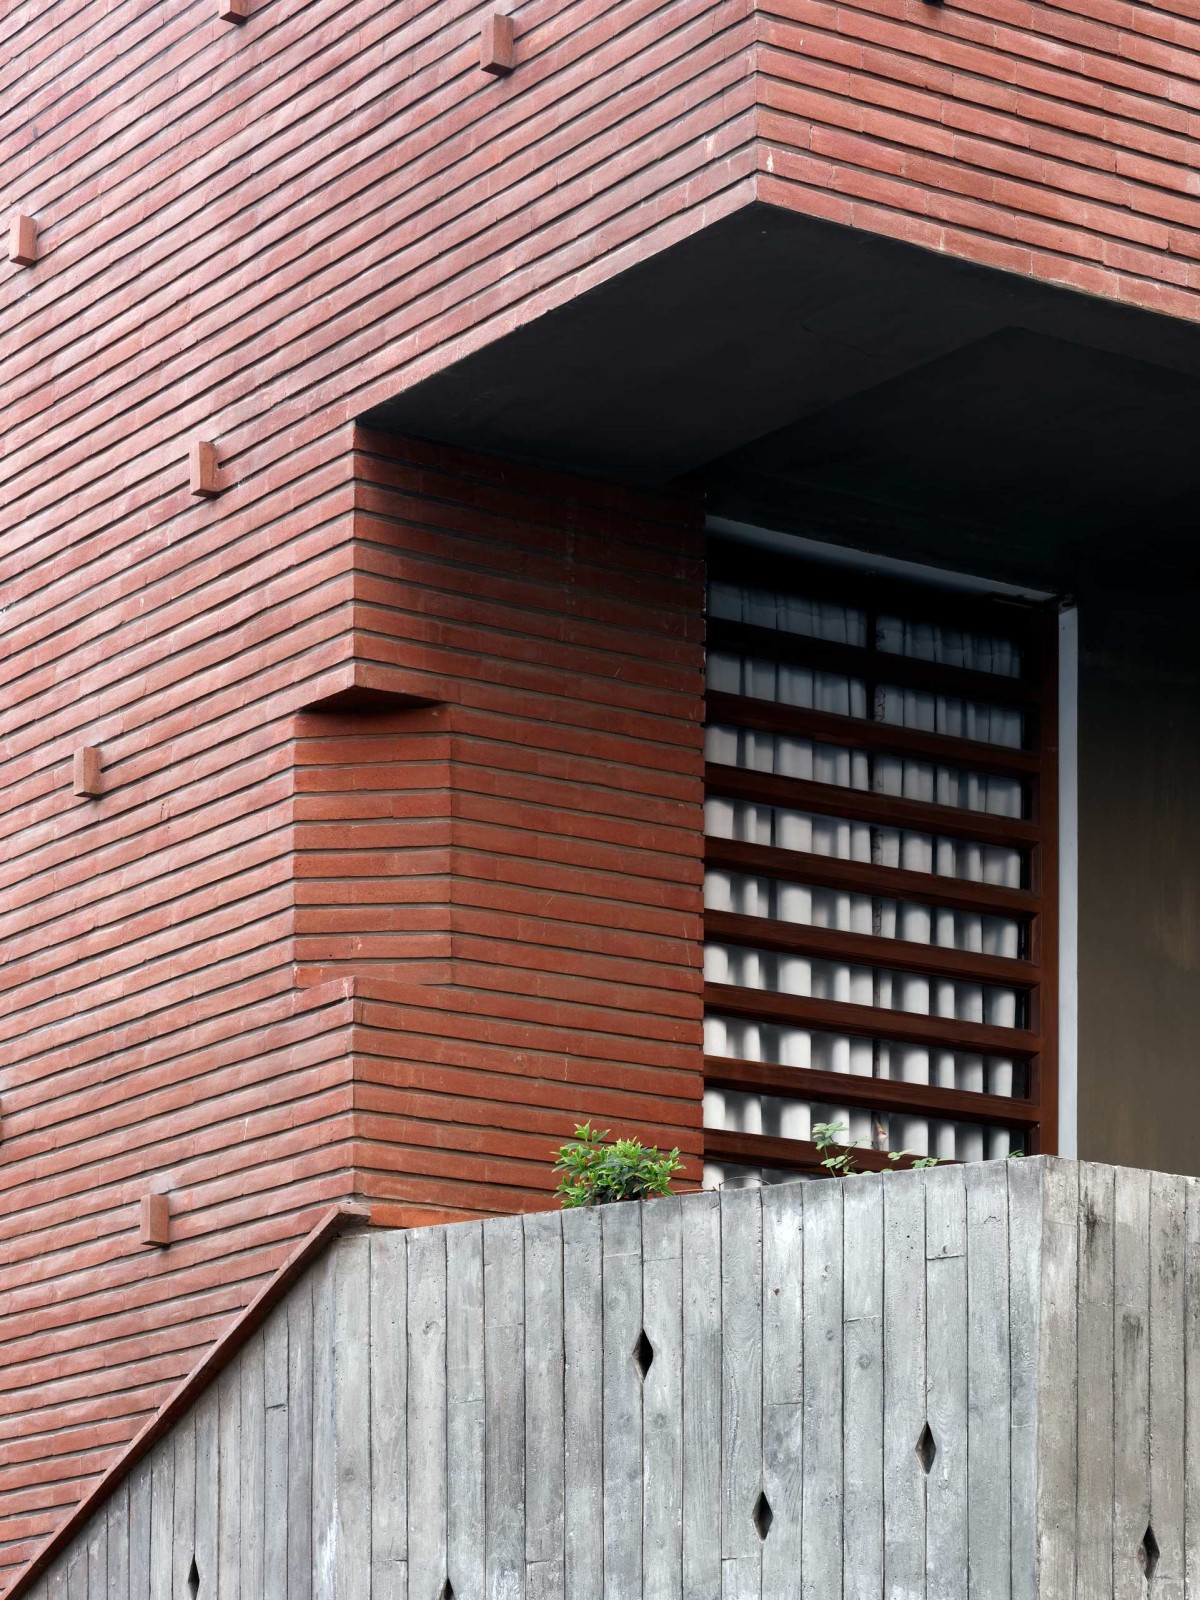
[(871, 1022), (995, 616), (765, 933), (764, 1150), (798, 866), (857, 733), (873, 666), (764, 788), (875, 1094)]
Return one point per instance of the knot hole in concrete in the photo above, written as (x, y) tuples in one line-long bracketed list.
[(643, 1354), (1148, 1552), (763, 1516)]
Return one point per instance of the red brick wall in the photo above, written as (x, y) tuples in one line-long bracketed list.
[(1059, 141), (292, 956), (251, 235), (562, 624)]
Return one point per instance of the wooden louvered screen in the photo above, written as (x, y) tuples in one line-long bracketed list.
[(881, 878)]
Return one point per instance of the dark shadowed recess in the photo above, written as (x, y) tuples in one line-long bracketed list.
[(847, 387)]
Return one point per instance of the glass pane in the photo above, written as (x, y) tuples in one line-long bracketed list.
[(848, 983), (848, 912), (951, 647), (790, 613), (787, 828)]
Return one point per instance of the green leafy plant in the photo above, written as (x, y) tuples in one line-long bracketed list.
[(843, 1163), (594, 1171)]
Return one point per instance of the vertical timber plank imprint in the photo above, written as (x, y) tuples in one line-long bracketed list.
[(162, 1517), (1131, 1355), (118, 1534), (57, 1582), (701, 1246), (544, 1531), (1094, 1493), (989, 1479), (139, 1532), (1024, 1292), (323, 1459), (97, 1557), (389, 1415), (300, 1441), (621, 1266), (946, 1382), (504, 1409), (229, 1502), (741, 1392), (662, 1402), (184, 1540), (77, 1571), (1058, 1417), (783, 1386), (583, 1405), (1167, 1410), (352, 1416), (208, 1488), (427, 1521), (1192, 1376), (275, 1482), (862, 1314), (822, 1491), (252, 1363), (904, 1315), (464, 1410)]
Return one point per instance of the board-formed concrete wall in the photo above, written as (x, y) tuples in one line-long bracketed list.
[(972, 1381)]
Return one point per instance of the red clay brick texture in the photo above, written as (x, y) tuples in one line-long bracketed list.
[(554, 881), (1057, 140), (288, 957)]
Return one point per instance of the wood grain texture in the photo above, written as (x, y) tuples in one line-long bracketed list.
[(621, 1244), (389, 1416), (904, 1403), (662, 1401), (741, 1392), (463, 1403), (583, 1404), (1096, 1391), (783, 1385), (946, 1382), (465, 1409)]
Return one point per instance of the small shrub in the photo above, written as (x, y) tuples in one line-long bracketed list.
[(843, 1164), (594, 1172)]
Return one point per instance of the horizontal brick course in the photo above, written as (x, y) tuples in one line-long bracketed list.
[(249, 237)]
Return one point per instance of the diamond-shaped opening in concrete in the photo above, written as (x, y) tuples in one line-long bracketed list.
[(446, 1592), (763, 1516), (193, 1579), (926, 1448), (643, 1354), (1148, 1552)]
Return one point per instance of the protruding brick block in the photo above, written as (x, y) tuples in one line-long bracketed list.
[(233, 10), (154, 1221), (202, 469), (89, 770), (496, 45), (22, 241)]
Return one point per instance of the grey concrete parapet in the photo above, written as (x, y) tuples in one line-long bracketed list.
[(971, 1381)]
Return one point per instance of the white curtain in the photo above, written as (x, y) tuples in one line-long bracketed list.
[(789, 613), (950, 647), (793, 829)]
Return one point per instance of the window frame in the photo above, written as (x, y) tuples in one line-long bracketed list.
[(1033, 625)]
